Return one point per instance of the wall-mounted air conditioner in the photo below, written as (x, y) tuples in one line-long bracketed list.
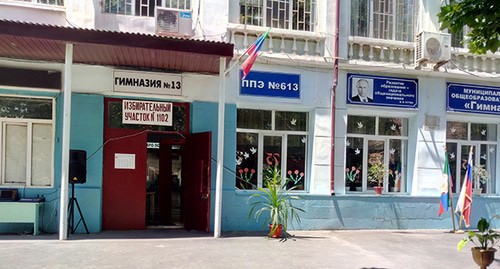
[(432, 47), (173, 22)]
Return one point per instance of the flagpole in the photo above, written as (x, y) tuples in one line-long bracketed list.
[(461, 203), (450, 191), (235, 63), (451, 205)]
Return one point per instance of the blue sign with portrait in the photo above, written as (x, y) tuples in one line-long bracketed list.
[(382, 91), (473, 98), (270, 84)]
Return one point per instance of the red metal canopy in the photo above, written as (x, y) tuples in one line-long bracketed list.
[(41, 42)]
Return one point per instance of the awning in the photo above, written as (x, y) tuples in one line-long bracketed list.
[(41, 42)]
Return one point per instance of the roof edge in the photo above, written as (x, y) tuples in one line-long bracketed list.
[(80, 35)]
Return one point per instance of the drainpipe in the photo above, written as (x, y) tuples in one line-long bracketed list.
[(66, 124), (334, 90)]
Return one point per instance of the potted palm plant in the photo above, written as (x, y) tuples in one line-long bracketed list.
[(484, 240), (276, 202)]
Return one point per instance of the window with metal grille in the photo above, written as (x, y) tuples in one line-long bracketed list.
[(281, 14), (51, 2), (47, 2), (458, 40), (383, 19), (142, 7)]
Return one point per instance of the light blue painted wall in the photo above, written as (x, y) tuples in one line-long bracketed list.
[(359, 212), (324, 211), (86, 134), (87, 127), (204, 118)]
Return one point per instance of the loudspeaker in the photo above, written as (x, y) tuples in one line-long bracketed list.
[(77, 166)]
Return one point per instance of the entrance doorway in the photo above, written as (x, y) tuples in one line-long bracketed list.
[(168, 187), (164, 206), (155, 176)]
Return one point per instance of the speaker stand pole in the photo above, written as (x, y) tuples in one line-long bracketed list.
[(71, 216)]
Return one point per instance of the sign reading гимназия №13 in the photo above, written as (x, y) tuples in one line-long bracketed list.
[(147, 82), (473, 98), (270, 84)]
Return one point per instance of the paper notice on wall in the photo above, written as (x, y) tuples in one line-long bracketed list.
[(124, 161)]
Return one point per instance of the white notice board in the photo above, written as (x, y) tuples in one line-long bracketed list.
[(124, 161)]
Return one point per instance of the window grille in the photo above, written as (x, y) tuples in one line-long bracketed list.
[(383, 19), (51, 2), (281, 14), (144, 8), (46, 2), (458, 40)]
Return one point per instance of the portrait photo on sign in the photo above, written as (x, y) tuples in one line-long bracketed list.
[(362, 90)]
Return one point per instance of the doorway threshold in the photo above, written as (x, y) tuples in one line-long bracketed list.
[(165, 227)]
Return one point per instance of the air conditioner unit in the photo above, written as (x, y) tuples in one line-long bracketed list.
[(432, 47), (173, 22)]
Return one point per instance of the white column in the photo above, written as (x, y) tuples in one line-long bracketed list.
[(220, 147), (66, 124)]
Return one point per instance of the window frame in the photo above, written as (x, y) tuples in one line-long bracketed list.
[(404, 32), (469, 141), (284, 134), (459, 40), (28, 122), (386, 139), (42, 2), (266, 7), (136, 7)]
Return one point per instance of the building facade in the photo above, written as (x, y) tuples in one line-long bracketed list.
[(149, 132)]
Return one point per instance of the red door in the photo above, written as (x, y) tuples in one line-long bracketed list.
[(196, 181), (124, 184)]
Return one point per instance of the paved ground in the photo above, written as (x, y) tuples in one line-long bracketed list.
[(182, 249)]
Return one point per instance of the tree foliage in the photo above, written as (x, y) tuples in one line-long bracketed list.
[(482, 17)]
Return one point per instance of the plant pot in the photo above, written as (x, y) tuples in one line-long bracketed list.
[(483, 257), (378, 190), (277, 232), (352, 186), (477, 191)]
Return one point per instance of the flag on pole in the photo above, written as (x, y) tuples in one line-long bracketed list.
[(465, 199), (252, 52), (445, 202)]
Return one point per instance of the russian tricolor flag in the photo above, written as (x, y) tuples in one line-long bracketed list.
[(465, 199), (253, 51)]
